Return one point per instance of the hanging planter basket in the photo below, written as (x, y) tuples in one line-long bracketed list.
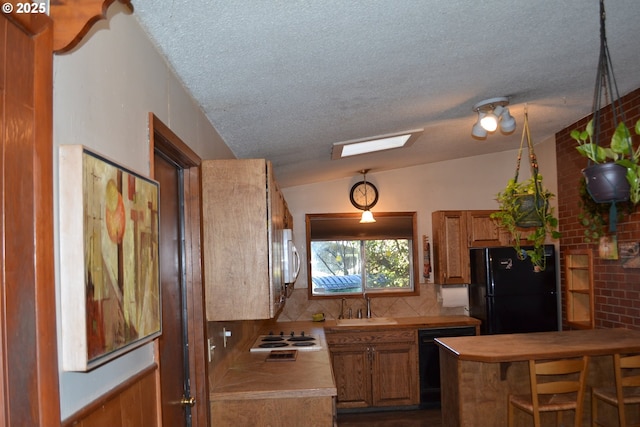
[(607, 182), (525, 205), (529, 209), (613, 172)]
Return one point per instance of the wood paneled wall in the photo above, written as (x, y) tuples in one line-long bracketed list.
[(132, 404)]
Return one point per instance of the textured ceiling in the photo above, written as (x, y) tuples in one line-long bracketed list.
[(285, 79)]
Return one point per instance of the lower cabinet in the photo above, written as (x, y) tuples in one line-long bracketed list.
[(375, 369), (309, 411)]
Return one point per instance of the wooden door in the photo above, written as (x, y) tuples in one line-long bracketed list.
[(174, 369), (450, 250), (29, 393), (352, 371), (482, 229), (395, 374), (183, 368)]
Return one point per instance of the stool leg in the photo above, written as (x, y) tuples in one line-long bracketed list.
[(510, 415), (594, 410)]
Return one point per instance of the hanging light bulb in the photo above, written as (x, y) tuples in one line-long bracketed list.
[(489, 122), (367, 217), (478, 131)]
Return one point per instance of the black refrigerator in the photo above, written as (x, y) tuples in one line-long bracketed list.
[(508, 295)]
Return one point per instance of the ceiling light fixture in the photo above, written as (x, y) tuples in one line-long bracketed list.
[(367, 215), (491, 113), (373, 144)]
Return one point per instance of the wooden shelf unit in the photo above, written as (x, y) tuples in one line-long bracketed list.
[(579, 288)]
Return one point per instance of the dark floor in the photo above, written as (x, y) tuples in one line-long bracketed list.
[(413, 418)]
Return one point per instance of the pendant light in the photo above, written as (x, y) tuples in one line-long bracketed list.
[(367, 216)]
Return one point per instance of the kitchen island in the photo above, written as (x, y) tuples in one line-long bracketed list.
[(478, 373)]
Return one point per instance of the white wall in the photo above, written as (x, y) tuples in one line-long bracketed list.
[(103, 92), (468, 183)]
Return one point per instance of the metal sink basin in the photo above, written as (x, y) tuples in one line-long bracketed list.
[(373, 321)]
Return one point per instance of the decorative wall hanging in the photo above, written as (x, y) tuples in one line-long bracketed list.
[(630, 252), (608, 247), (525, 209), (109, 272), (613, 174)]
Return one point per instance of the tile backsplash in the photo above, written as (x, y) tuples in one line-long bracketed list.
[(299, 307)]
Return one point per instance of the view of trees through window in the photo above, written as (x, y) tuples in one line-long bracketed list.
[(348, 266)]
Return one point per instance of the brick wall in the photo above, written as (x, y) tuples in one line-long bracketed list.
[(616, 289)]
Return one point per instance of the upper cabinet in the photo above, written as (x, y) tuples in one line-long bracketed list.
[(243, 215), (483, 231), (454, 233)]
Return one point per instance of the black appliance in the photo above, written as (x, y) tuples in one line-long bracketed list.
[(429, 359), (508, 295)]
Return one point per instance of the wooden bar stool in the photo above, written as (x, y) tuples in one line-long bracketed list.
[(625, 392), (556, 386)]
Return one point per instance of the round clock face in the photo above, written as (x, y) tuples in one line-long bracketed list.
[(364, 195)]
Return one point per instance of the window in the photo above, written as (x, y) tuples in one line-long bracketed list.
[(349, 258)]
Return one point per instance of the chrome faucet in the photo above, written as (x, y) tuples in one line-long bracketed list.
[(341, 315), (368, 308)]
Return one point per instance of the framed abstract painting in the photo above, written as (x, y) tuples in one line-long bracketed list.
[(109, 268)]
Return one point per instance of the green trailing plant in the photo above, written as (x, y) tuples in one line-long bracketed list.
[(511, 214), (620, 151), (594, 216), (540, 221)]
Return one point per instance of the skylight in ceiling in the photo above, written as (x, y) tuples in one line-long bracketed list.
[(373, 144)]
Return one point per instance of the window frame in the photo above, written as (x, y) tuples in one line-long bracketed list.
[(309, 218)]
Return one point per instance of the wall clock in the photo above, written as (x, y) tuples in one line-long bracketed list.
[(363, 195)]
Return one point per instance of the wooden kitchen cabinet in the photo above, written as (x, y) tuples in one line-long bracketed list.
[(243, 214), (483, 231), (578, 272), (352, 372), (375, 368), (454, 233)]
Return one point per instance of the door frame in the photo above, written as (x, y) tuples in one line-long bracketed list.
[(166, 141), (29, 393)]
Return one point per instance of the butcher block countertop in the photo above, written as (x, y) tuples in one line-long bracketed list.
[(251, 377), (539, 345)]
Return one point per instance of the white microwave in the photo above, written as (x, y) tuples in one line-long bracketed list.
[(291, 263)]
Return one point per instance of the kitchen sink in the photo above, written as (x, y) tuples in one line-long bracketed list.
[(373, 321)]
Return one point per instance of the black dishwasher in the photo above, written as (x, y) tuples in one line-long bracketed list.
[(429, 357)]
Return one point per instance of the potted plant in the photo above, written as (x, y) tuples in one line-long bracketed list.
[(525, 220), (613, 175), (525, 211), (594, 216)]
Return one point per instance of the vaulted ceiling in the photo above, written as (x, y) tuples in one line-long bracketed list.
[(285, 79)]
